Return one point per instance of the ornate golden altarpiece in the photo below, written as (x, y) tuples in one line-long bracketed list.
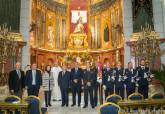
[(77, 41)]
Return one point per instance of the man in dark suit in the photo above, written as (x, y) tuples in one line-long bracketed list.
[(33, 80), (76, 81), (130, 73), (108, 80), (119, 80), (64, 84), (89, 77), (142, 77), (16, 81)]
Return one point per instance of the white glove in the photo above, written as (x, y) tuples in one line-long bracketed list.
[(125, 77), (132, 80), (104, 87), (152, 76), (145, 75), (137, 85), (113, 78), (99, 80), (137, 79)]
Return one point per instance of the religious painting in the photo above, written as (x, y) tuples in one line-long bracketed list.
[(142, 14), (92, 32), (40, 28), (106, 33), (98, 33), (57, 32), (64, 33), (78, 16)]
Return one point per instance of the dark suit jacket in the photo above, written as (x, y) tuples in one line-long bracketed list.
[(64, 80), (89, 76), (16, 83), (130, 75), (106, 74), (76, 75), (143, 81), (28, 81)]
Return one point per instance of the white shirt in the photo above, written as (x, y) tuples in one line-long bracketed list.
[(33, 77)]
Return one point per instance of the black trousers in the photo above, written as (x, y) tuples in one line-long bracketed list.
[(95, 96), (109, 91), (47, 97), (143, 89), (64, 95), (33, 91), (76, 89), (130, 89), (120, 90), (88, 90)]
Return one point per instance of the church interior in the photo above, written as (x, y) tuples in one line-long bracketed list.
[(104, 33)]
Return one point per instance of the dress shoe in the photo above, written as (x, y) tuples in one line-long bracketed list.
[(78, 105), (54, 100), (50, 105), (93, 106), (73, 105), (85, 106), (46, 105), (66, 105), (62, 105)]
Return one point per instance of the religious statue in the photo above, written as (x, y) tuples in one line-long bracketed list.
[(79, 26), (50, 36)]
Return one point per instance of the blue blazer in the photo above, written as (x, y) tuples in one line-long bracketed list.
[(129, 75), (107, 75), (28, 81), (142, 81), (76, 75), (64, 80)]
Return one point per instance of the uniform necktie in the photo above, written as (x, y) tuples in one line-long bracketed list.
[(19, 73)]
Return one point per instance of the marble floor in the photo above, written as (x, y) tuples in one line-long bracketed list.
[(57, 109)]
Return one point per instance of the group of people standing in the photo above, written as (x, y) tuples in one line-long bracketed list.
[(117, 80), (57, 81)]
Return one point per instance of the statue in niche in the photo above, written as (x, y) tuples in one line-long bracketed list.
[(106, 33), (79, 26), (142, 13), (50, 36)]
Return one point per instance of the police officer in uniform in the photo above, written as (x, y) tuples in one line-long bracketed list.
[(142, 77), (89, 77), (76, 81), (96, 86), (130, 79), (108, 80), (119, 80)]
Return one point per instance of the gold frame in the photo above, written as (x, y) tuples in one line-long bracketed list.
[(136, 93), (109, 103)]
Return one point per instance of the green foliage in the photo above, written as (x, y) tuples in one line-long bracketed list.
[(160, 75)]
